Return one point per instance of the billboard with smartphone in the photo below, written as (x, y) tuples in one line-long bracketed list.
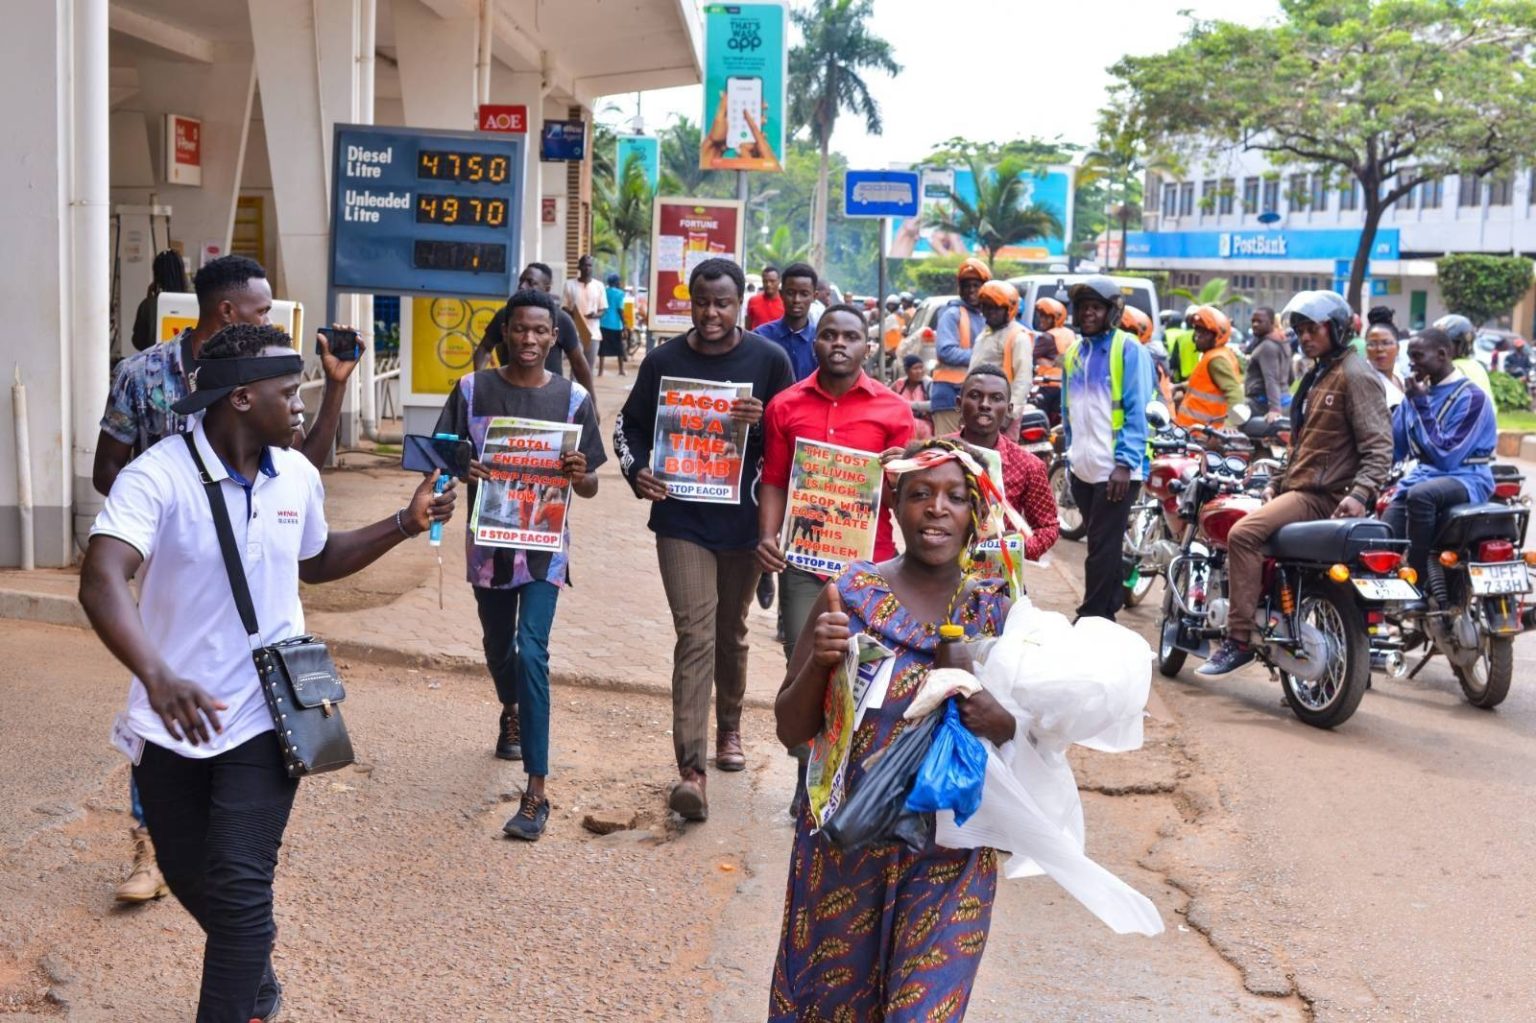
[(684, 233), (745, 68), (1051, 187)]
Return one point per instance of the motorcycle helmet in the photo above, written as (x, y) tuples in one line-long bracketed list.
[(1105, 290), (1049, 314), (1320, 307), (1460, 331), (1168, 318), (1138, 323), (1208, 317), (892, 300), (1000, 293)]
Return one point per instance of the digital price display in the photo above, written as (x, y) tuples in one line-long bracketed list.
[(428, 212)]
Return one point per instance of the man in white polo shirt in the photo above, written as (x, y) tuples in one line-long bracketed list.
[(215, 791)]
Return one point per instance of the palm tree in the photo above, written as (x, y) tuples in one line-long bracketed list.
[(826, 78), (1215, 292), (680, 173), (780, 249), (998, 216), (625, 211)]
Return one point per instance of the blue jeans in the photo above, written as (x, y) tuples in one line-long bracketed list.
[(134, 806), (514, 626)]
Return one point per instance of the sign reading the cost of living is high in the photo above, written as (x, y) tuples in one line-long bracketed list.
[(425, 212)]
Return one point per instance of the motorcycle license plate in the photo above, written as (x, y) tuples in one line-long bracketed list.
[(1386, 589), (1039, 448), (1506, 577)]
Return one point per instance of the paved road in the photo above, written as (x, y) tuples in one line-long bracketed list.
[(1378, 870)]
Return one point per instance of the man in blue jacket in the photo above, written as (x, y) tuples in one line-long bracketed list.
[(1107, 382), (958, 325), (1448, 424)]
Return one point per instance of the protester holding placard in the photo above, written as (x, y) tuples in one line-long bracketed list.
[(838, 404), (516, 588), (705, 546)]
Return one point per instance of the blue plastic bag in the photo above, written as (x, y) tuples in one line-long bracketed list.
[(953, 773)]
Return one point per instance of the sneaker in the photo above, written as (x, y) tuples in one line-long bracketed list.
[(144, 881), (509, 742), (728, 752), (1227, 658), (269, 997), (529, 821), (687, 798), (765, 590)]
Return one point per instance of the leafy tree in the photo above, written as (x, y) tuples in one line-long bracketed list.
[(1509, 394), (1393, 93), (1119, 163), (1215, 291), (1481, 287), (680, 173), (780, 249), (826, 78), (625, 211), (999, 215)]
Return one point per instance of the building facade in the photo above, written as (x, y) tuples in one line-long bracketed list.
[(1272, 232)]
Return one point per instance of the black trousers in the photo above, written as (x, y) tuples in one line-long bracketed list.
[(1414, 515), (1104, 570), (217, 824)]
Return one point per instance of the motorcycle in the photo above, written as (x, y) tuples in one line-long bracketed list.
[(1323, 582), (1073, 525), (1151, 536), (1477, 580)]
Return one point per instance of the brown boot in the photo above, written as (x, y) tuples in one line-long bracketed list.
[(145, 882), (687, 798), (728, 754)]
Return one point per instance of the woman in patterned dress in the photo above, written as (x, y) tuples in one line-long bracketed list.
[(885, 935)]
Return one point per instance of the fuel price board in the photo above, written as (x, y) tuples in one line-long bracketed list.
[(428, 212)]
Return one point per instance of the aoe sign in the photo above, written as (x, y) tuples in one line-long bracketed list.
[(504, 117)]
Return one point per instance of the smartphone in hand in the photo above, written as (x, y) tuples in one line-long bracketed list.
[(342, 342), (421, 453)]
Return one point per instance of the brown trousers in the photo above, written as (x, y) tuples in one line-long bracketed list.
[(709, 593), (1245, 551)]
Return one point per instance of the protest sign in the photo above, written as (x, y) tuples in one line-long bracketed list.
[(698, 447), (858, 685), (524, 502), (832, 507)]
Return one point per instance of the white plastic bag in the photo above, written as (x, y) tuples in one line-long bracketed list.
[(1086, 683)]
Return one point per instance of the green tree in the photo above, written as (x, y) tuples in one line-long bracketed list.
[(827, 72), (624, 211), (1118, 164), (1482, 287), (1216, 291), (680, 173), (998, 216), (780, 249), (1393, 93)]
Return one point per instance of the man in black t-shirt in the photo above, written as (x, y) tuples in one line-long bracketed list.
[(706, 550), (540, 277)]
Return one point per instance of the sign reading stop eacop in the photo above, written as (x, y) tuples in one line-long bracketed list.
[(511, 118)]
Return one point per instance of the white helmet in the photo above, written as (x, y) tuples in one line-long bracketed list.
[(893, 299)]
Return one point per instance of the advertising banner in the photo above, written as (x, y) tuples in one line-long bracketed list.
[(684, 233), (563, 141), (444, 333), (832, 507), (524, 502), (1051, 188), (698, 447), (1326, 243), (745, 68), (183, 150), (646, 149)]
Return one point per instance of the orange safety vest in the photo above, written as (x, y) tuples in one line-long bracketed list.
[(1048, 371), (1204, 403), (943, 374), (1014, 329)]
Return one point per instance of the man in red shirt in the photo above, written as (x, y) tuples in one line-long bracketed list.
[(984, 405), (838, 404), (767, 305)]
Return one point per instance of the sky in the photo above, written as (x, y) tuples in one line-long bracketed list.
[(1049, 80)]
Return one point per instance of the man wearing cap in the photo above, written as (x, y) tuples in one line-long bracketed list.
[(959, 324), (140, 412), (1106, 383), (216, 795)]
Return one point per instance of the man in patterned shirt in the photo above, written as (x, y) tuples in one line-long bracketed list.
[(984, 406), (231, 289)]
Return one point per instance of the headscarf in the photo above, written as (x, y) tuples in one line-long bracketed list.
[(973, 268)]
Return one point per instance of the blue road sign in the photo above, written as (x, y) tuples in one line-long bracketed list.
[(432, 212), (877, 193)]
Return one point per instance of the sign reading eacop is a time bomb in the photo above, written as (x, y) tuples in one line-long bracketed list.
[(684, 233)]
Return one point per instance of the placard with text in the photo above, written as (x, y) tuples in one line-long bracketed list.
[(525, 501), (832, 507), (684, 233), (698, 447)]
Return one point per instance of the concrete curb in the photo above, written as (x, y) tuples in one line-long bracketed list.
[(51, 609)]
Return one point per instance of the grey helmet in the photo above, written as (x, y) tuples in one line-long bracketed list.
[(1460, 331), (1106, 290), (1321, 307)]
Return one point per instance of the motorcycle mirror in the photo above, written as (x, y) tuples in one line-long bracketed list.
[(1157, 415)]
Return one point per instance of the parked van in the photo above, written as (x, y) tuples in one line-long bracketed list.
[(1138, 291)]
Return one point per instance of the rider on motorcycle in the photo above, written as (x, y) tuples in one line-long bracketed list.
[(1448, 424), (1215, 394), (1341, 452), (1461, 332), (1140, 324), (1052, 339), (1005, 343)]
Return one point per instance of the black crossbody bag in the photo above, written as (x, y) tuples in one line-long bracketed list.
[(298, 678)]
